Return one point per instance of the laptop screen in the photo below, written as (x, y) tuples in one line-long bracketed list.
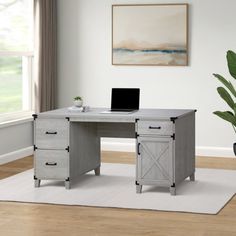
[(125, 99)]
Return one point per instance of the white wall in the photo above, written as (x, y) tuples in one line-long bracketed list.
[(16, 141), (84, 31)]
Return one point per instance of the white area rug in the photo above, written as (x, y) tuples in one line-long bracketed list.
[(115, 188)]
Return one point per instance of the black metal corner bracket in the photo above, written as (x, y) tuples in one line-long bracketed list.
[(173, 185), (35, 177), (173, 119), (136, 182), (136, 120), (173, 136), (35, 116), (68, 179), (68, 118), (35, 147), (67, 149)]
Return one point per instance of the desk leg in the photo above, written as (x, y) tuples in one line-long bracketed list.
[(139, 188), (97, 171), (192, 177), (172, 191), (67, 184), (37, 183)]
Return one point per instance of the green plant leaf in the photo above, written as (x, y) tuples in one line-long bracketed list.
[(77, 98), (235, 109), (226, 115), (227, 83), (226, 96), (231, 59)]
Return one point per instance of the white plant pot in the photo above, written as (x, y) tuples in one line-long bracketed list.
[(78, 103)]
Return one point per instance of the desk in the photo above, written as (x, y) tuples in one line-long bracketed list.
[(67, 144)]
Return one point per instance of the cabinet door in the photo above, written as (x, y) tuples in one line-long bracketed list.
[(155, 160)]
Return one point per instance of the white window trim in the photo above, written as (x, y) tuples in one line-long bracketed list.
[(23, 119), (16, 53), (12, 116)]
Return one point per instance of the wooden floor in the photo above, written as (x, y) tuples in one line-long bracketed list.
[(44, 219)]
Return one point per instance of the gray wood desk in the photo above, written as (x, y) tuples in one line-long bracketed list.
[(67, 144)]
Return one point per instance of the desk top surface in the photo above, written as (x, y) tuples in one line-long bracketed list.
[(94, 114)]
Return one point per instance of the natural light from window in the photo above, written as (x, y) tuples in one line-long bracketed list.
[(16, 56)]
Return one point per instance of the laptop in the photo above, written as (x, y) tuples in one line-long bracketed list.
[(124, 100)]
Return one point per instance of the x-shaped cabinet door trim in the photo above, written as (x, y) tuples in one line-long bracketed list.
[(165, 150)]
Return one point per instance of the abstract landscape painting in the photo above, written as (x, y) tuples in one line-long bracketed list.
[(150, 34)]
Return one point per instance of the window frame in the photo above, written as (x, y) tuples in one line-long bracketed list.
[(27, 60), (28, 82)]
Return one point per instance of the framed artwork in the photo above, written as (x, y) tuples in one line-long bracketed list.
[(150, 34)]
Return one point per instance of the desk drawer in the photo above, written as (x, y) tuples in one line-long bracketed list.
[(51, 164), (155, 127), (51, 133)]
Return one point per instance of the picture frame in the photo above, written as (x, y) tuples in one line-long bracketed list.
[(150, 34)]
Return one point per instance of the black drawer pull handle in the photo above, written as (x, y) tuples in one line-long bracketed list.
[(138, 148), (50, 132), (154, 127), (50, 163)]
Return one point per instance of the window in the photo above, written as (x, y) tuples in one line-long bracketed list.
[(16, 58)]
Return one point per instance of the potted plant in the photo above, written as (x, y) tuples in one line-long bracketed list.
[(228, 93), (78, 101)]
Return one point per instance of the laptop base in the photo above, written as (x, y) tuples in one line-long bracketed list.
[(117, 112)]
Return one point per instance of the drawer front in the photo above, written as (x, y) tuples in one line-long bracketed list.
[(155, 127), (51, 133), (51, 164)]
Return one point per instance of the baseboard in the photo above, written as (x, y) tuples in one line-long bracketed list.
[(12, 156), (122, 147), (215, 151), (200, 151)]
